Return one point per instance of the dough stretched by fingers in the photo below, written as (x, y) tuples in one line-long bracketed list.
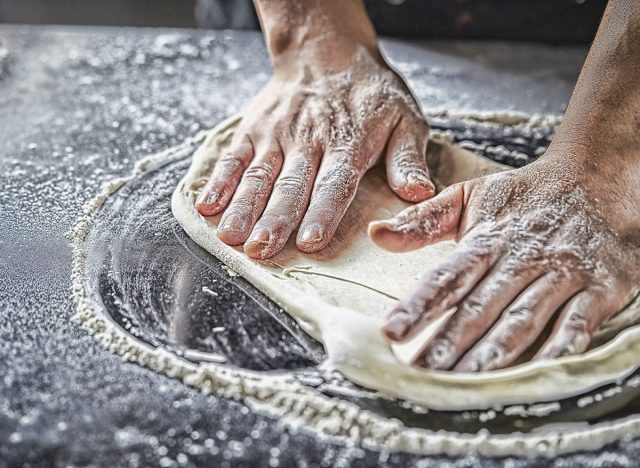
[(474, 315), (440, 289), (520, 324), (428, 222), (575, 326), (308, 303)]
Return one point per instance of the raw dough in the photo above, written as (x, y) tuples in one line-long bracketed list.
[(341, 295)]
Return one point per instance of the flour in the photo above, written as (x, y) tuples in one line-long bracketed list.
[(299, 406), (341, 299), (541, 121)]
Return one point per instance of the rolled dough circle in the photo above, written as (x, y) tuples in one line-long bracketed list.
[(340, 296)]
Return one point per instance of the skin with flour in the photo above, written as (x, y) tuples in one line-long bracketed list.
[(558, 238), (332, 109)]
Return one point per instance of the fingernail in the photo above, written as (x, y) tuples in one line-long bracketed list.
[(206, 203), (203, 198), (419, 185), (312, 233), (397, 326), (259, 245), (233, 222), (387, 224), (259, 236)]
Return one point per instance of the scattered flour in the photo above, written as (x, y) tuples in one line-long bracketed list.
[(298, 406)]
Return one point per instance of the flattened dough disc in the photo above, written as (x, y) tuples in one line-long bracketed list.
[(341, 295)]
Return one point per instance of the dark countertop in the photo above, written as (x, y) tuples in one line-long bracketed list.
[(77, 108)]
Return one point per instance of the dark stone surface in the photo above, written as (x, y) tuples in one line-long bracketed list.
[(77, 108)]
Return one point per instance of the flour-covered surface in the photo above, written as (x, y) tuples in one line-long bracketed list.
[(77, 109)]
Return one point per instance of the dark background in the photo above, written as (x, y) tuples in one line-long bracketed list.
[(551, 21)]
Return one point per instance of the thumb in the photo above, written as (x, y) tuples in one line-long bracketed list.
[(426, 223)]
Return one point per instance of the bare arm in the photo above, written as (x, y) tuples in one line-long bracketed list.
[(600, 134)]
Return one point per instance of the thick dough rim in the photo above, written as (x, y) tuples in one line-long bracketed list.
[(541, 381)]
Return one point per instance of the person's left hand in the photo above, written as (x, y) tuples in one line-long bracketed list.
[(537, 244), (305, 142)]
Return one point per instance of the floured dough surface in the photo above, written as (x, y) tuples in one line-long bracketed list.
[(341, 295)]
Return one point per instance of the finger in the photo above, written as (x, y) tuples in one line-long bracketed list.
[(519, 325), (286, 206), (575, 326), (473, 317), (406, 161), (441, 289), (334, 189), (224, 179), (429, 222), (251, 196)]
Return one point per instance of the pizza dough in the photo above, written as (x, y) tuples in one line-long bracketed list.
[(342, 294)]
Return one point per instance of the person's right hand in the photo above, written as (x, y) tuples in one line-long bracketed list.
[(303, 145), (537, 245)]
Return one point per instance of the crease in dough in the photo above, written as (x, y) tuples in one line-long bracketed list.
[(289, 271)]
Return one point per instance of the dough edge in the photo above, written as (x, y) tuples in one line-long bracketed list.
[(541, 381), (277, 395)]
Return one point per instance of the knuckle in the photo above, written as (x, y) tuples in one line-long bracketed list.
[(372, 99), (566, 258), (304, 130), (341, 181), (230, 160), (502, 282), (492, 352), (241, 206), (520, 315), (409, 158), (291, 183), (277, 224), (242, 146), (578, 323), (441, 277), (302, 159), (440, 352), (484, 243), (344, 149), (481, 253), (471, 309), (442, 345), (261, 172)]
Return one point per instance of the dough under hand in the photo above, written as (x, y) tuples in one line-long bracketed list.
[(342, 294)]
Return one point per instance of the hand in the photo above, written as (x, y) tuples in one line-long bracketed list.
[(304, 144), (537, 245)]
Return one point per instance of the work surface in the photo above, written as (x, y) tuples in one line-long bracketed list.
[(77, 108)]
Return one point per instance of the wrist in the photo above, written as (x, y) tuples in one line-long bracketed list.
[(608, 178), (597, 143), (322, 32)]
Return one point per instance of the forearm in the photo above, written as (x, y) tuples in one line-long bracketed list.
[(604, 109), (325, 30), (597, 146)]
